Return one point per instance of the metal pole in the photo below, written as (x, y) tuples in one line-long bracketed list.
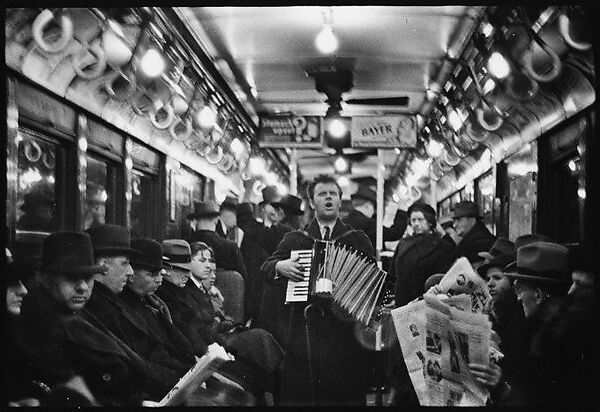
[(433, 193), (293, 173), (380, 170)]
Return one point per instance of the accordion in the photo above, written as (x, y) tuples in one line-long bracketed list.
[(351, 278)]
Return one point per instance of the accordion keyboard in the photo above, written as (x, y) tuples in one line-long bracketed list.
[(298, 291)]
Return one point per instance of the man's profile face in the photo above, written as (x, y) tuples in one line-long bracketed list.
[(273, 214), (326, 201), (119, 269), (178, 276), (463, 224), (144, 281), (71, 293)]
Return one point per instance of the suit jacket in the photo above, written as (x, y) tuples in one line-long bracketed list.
[(60, 344), (478, 239), (227, 254), (337, 358), (415, 259), (112, 310), (368, 225)]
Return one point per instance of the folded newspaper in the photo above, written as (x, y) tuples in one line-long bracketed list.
[(461, 278), (205, 366)]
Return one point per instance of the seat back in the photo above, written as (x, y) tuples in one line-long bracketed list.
[(231, 285)]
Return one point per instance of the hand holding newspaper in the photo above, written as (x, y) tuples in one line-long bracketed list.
[(205, 366), (461, 278)]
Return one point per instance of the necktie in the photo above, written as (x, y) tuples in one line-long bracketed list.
[(326, 237)]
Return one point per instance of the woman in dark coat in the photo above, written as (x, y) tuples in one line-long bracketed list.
[(416, 258), (419, 256)]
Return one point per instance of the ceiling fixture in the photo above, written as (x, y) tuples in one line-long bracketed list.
[(152, 63), (337, 128), (326, 41), (341, 165), (343, 181), (498, 66)]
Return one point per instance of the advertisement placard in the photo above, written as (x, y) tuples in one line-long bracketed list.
[(290, 131), (384, 131)]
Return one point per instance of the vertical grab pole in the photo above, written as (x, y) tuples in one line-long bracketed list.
[(379, 233), (293, 173)]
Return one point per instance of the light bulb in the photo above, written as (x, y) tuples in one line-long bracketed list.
[(343, 181), (257, 166), (498, 66), (420, 167), (337, 128), (326, 41), (281, 188), (341, 165), (487, 29), (152, 63), (455, 120), (207, 117), (434, 148), (237, 147)]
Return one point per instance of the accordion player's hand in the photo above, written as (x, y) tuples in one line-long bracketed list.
[(290, 268)]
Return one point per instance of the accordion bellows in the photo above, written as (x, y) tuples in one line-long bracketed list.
[(357, 280)]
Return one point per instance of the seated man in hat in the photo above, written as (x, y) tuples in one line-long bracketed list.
[(475, 236), (109, 303), (556, 368), (227, 253), (61, 340), (364, 202), (227, 223)]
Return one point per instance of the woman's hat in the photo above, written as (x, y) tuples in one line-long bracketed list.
[(499, 261), (178, 253), (230, 203), (205, 209), (465, 209), (365, 192), (111, 240), (291, 204), (501, 246), (421, 207), (69, 254), (151, 254), (541, 261)]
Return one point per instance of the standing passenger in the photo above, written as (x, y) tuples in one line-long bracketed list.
[(475, 236)]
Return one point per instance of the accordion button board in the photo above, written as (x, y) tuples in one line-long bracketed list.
[(297, 292)]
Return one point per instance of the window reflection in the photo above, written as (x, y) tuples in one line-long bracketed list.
[(485, 186), (96, 193), (36, 194), (141, 204)]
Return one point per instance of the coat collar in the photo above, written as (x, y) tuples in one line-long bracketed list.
[(424, 244), (338, 229)]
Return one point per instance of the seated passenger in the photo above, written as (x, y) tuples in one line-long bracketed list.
[(108, 303), (61, 340)]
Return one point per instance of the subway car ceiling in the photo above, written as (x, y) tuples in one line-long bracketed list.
[(479, 83)]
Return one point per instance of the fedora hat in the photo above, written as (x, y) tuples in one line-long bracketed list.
[(365, 192), (291, 204), (498, 261), (270, 194), (542, 261), (151, 254), (525, 240), (69, 254), (178, 253), (245, 210), (465, 209), (111, 240), (205, 209), (502, 246), (230, 203)]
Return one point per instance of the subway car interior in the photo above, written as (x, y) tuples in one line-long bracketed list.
[(132, 116)]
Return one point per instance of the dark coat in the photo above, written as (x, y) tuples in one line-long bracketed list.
[(415, 259), (227, 254), (368, 225), (194, 324), (111, 309), (338, 360), (60, 344), (478, 239), (254, 254)]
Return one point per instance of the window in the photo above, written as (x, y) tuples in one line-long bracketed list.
[(143, 194), (100, 200), (186, 188), (36, 203), (485, 199)]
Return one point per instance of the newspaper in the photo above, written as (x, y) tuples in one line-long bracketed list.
[(438, 341), (205, 366), (461, 278)]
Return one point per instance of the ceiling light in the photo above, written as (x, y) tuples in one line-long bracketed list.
[(410, 179), (271, 178), (237, 147), (281, 188), (454, 120), (581, 193), (498, 66), (152, 63), (487, 29), (207, 117), (343, 181), (337, 128), (341, 165), (396, 198), (257, 165), (326, 41), (420, 167), (434, 148), (572, 165), (488, 86)]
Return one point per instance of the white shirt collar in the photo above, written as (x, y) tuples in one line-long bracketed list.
[(197, 282), (322, 230)]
